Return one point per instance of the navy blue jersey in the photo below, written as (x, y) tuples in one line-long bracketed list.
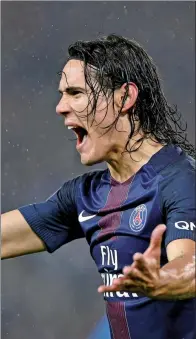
[(117, 220)]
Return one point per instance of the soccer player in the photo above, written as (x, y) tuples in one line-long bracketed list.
[(111, 98)]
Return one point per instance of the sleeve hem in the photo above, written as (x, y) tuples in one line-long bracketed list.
[(38, 228), (180, 236)]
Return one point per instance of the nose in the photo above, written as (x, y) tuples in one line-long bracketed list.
[(63, 107)]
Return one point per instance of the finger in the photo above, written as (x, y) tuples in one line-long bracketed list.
[(127, 269), (136, 256), (140, 263), (144, 264), (117, 285), (142, 277), (125, 286), (139, 277), (156, 236), (131, 285), (130, 267), (112, 288), (155, 241)]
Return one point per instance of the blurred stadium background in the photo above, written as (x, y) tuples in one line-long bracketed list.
[(55, 296)]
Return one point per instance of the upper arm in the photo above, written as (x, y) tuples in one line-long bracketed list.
[(55, 221), (180, 248)]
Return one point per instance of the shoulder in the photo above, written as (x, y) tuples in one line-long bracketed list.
[(177, 185), (87, 178), (93, 177), (84, 182), (178, 176)]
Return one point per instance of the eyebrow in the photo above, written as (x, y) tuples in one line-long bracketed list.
[(71, 89)]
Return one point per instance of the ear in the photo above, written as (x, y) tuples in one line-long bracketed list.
[(127, 94)]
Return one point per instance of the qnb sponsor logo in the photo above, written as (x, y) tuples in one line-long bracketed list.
[(184, 225), (108, 279)]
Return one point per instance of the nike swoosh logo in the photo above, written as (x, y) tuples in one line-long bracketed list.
[(82, 218)]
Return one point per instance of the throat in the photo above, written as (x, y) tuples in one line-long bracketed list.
[(121, 177), (124, 166)]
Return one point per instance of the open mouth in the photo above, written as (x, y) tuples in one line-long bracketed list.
[(81, 134)]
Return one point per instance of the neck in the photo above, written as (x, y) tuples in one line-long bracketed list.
[(124, 165)]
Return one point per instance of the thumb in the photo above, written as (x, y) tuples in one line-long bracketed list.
[(155, 241)]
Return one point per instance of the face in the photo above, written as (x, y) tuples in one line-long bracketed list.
[(75, 105)]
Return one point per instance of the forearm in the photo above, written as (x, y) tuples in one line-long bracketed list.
[(177, 279)]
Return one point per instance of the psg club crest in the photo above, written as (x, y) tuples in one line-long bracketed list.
[(138, 218)]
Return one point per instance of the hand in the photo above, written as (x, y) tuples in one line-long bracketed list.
[(143, 276)]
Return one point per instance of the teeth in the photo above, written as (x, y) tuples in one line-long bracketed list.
[(70, 127), (84, 139)]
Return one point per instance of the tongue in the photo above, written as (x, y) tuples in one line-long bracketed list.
[(81, 141)]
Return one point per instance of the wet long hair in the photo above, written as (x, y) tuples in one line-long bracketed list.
[(113, 61)]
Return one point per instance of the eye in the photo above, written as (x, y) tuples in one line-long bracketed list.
[(75, 93)]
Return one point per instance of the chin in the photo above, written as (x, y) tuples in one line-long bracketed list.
[(90, 161)]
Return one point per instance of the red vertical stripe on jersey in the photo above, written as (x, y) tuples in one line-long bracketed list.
[(118, 321), (116, 197)]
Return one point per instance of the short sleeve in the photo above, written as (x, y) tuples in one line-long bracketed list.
[(178, 205), (55, 220)]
